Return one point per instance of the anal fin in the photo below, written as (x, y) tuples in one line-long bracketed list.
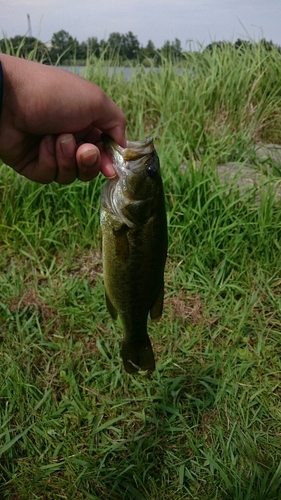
[(111, 309), (157, 308)]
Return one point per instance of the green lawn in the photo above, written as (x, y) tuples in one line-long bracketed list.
[(206, 424)]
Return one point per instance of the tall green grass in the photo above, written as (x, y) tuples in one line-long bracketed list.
[(216, 102), (206, 424)]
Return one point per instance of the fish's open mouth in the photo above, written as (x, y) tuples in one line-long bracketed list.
[(135, 151), (138, 149)]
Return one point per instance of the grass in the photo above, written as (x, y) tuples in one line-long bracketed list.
[(206, 425)]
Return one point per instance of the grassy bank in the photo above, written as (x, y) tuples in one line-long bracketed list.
[(206, 425)]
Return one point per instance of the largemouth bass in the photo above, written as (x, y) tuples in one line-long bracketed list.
[(134, 246)]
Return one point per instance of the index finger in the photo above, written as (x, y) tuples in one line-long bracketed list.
[(110, 119)]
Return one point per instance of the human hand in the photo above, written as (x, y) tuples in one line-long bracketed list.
[(51, 123)]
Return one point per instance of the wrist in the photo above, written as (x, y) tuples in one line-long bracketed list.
[(1, 87)]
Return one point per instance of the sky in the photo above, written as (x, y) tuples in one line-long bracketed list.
[(191, 21)]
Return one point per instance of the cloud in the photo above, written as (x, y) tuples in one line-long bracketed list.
[(158, 20)]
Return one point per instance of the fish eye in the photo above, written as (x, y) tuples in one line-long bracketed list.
[(152, 170)]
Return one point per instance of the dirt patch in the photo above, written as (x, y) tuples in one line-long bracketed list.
[(31, 300), (186, 307), (89, 264)]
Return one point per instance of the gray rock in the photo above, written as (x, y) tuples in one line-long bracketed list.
[(262, 177)]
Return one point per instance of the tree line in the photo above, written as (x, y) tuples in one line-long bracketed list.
[(243, 45), (64, 49)]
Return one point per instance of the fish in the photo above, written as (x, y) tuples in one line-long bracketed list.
[(134, 246)]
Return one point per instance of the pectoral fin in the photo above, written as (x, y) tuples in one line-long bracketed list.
[(138, 211), (121, 243), (111, 309), (157, 308)]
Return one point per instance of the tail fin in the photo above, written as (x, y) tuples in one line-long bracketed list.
[(138, 355)]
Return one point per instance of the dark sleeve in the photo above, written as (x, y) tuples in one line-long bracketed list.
[(1, 86)]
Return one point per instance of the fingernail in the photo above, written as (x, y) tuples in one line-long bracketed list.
[(68, 145), (89, 158), (50, 144)]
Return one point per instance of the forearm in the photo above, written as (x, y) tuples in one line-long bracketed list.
[(1, 86)]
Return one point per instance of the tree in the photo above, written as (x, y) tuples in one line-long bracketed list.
[(242, 45), (103, 48), (149, 53), (215, 46), (176, 48), (93, 46), (63, 46), (172, 50), (130, 46), (81, 51), (23, 46), (269, 46), (126, 46), (114, 44), (150, 50)]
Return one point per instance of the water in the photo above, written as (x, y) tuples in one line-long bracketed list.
[(114, 70)]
